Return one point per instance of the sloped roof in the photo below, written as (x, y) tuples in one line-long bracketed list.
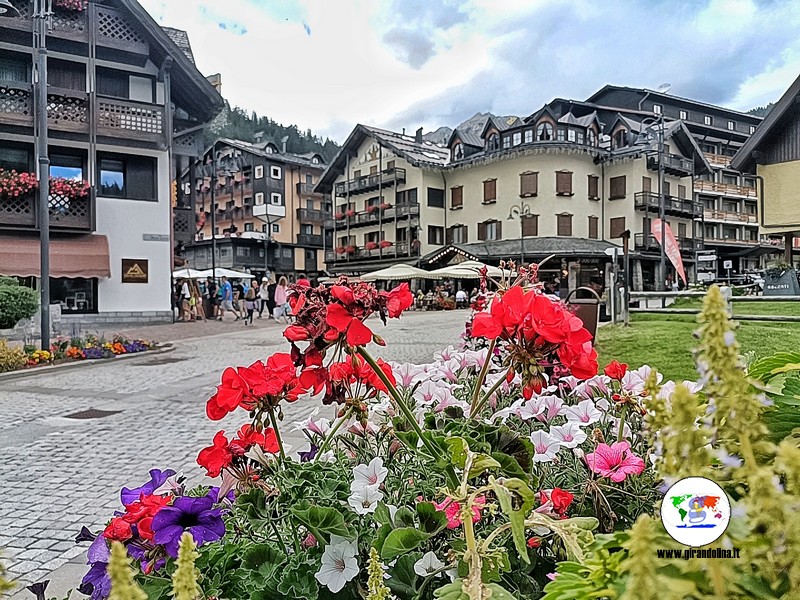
[(470, 139), (181, 39), (258, 150), (744, 157), (535, 247)]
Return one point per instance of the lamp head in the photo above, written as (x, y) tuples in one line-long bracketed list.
[(7, 9)]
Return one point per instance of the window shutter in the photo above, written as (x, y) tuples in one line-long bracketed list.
[(666, 188), (464, 234), (564, 183), (449, 235), (617, 185), (530, 226), (489, 190), (481, 231), (592, 228), (682, 191), (681, 230), (499, 230), (456, 197), (593, 194), (565, 225), (528, 184), (647, 184), (617, 227)]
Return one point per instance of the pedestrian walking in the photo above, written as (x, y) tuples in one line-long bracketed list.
[(250, 297), (211, 296), (238, 299), (186, 296), (226, 304), (281, 301), (263, 296), (271, 297)]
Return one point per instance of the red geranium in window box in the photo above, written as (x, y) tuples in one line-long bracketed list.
[(350, 213), (371, 245), (372, 209), (340, 250), (339, 215), (386, 244), (350, 249), (14, 184), (79, 5)]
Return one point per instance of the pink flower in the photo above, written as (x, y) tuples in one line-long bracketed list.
[(615, 462), (453, 511)]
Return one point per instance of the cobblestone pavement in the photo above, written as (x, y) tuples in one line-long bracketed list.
[(58, 473)]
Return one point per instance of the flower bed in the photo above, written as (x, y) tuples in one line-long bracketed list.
[(506, 468), (89, 347)]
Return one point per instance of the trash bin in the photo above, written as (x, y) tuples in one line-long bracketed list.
[(586, 309)]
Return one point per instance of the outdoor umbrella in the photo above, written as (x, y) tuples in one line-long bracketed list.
[(397, 272), (469, 269), (187, 273), (229, 273)]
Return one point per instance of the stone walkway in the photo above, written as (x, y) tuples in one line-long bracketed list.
[(59, 473)]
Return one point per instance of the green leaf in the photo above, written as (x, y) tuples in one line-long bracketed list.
[(401, 541), (458, 449), (382, 514), (509, 465), (768, 367), (322, 521), (482, 463), (409, 438), (515, 517), (381, 535), (404, 517), (431, 521), (297, 580), (498, 592), (258, 555), (403, 578)]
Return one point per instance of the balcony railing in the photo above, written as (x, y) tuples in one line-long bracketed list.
[(362, 219), (729, 240), (66, 214), (727, 189), (126, 119), (672, 206), (366, 183), (673, 164), (717, 159), (309, 239), (721, 215), (67, 110), (307, 189), (647, 241), (183, 225), (311, 216), (399, 249)]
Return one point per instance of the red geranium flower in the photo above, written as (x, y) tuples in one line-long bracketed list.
[(561, 500), (216, 457), (118, 530), (247, 437), (616, 370), (343, 321), (398, 300)]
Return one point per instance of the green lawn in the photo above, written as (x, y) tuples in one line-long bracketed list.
[(783, 308), (666, 341)]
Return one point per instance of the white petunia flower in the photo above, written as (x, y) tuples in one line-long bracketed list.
[(530, 409), (339, 564), (545, 446), (372, 474), (320, 427), (364, 499), (584, 413), (568, 435), (427, 564), (552, 406)]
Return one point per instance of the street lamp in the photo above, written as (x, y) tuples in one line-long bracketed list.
[(42, 11), (521, 211), (651, 121)]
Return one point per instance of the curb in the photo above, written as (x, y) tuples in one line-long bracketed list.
[(86, 364)]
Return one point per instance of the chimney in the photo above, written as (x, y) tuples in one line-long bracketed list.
[(404, 130), (216, 81), (284, 139), (258, 137), (418, 136)]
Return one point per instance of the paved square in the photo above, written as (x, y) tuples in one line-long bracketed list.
[(58, 474)]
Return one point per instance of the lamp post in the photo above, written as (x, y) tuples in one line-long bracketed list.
[(521, 211), (42, 11), (659, 120)]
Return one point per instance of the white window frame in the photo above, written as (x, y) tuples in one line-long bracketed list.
[(491, 231), (731, 126), (517, 139), (259, 199), (259, 172), (657, 108), (276, 199), (529, 136), (708, 120), (572, 135), (275, 172), (752, 129), (684, 115)]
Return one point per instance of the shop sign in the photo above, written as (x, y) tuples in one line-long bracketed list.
[(134, 270)]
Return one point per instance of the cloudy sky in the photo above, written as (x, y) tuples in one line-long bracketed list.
[(328, 64)]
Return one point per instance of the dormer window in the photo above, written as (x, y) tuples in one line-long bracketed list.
[(458, 151), (571, 135), (591, 137), (493, 143), (517, 139), (506, 141), (544, 132), (621, 138), (528, 136)]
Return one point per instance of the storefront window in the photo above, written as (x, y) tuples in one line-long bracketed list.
[(76, 296)]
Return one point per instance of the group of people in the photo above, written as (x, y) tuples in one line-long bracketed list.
[(244, 299)]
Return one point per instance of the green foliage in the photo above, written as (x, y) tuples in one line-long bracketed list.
[(761, 111), (123, 586), (11, 357), (5, 586), (8, 281), (16, 303)]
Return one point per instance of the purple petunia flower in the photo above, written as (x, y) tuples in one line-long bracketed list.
[(96, 582), (309, 455), (157, 479), (195, 515)]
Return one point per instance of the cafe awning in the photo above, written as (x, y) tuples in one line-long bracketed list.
[(83, 256)]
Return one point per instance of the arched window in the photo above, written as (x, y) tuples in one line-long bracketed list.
[(493, 143), (544, 132), (591, 137), (458, 151), (621, 138)]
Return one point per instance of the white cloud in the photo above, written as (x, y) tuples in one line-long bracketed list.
[(328, 64)]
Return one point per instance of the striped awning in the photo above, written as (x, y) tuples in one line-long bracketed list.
[(82, 256)]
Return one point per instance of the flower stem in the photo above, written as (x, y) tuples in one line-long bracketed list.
[(621, 432), (329, 437), (482, 375), (274, 423), (474, 410)]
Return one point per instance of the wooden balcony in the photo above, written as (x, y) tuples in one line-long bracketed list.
[(363, 219), (727, 189), (309, 239), (307, 189), (183, 225), (717, 160), (368, 183), (679, 207), (673, 164), (720, 215), (648, 241), (127, 119), (67, 110), (731, 241), (398, 250), (311, 216), (66, 214)]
